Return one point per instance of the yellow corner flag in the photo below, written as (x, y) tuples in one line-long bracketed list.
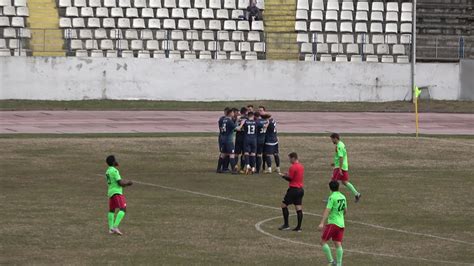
[(416, 91), (416, 94)]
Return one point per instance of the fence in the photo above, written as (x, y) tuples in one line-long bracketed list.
[(444, 48), (284, 45)]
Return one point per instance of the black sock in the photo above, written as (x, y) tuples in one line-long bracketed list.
[(285, 215), (225, 163), (219, 163), (242, 162), (252, 161), (259, 163), (247, 160), (269, 161), (264, 161), (300, 218), (233, 162), (277, 160)]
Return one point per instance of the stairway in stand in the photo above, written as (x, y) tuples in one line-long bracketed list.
[(279, 17), (46, 37)]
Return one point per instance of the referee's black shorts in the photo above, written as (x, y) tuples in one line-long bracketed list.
[(294, 196)]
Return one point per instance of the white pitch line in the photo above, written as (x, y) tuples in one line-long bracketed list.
[(259, 229), (314, 214)]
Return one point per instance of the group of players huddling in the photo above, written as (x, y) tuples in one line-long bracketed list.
[(250, 134), (255, 142)]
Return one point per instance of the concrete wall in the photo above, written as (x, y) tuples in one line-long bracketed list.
[(467, 80), (61, 78), (441, 81)]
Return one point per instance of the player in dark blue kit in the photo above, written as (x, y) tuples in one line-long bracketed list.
[(223, 162), (261, 130), (227, 132), (249, 127), (239, 138), (271, 144)]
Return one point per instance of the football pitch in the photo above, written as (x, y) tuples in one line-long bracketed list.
[(417, 206)]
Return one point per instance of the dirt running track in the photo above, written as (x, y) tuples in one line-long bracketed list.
[(176, 121)]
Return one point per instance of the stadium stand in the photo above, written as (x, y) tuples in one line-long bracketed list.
[(354, 31), (14, 34), (158, 29), (310, 30), (445, 30)]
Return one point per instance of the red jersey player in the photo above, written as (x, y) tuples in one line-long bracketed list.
[(294, 194)]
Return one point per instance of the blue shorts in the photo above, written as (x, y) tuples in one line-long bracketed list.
[(239, 147), (220, 143), (227, 148), (271, 149), (250, 146), (260, 148)]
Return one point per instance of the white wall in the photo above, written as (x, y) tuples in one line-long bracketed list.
[(61, 78), (442, 80)]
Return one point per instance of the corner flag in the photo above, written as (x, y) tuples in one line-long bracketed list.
[(416, 94)]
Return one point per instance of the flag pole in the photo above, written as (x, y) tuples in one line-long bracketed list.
[(415, 90), (416, 116)]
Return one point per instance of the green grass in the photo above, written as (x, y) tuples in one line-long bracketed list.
[(424, 106), (54, 204)]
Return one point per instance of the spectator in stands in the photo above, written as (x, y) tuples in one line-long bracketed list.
[(253, 13)]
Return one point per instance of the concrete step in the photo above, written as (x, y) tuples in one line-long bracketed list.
[(279, 12), (280, 7), (48, 42), (279, 2), (37, 53), (280, 23), (34, 2), (46, 48), (53, 33), (278, 29), (44, 15), (284, 56), (288, 18)]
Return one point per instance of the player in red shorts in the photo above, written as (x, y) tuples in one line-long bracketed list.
[(341, 165), (115, 193), (334, 229)]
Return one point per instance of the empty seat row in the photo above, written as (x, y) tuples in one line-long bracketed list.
[(12, 22), (151, 45), (12, 43), (6, 3), (118, 12), (139, 23), (339, 48), (333, 15), (13, 52), (251, 36), (200, 4), (349, 6), (357, 58), (171, 54), (11, 11), (350, 38), (349, 27), (15, 33)]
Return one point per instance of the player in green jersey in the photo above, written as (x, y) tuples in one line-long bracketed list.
[(341, 165), (117, 200), (334, 229)]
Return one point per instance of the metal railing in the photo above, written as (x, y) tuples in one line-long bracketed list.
[(430, 48), (167, 43), (443, 48), (361, 40)]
